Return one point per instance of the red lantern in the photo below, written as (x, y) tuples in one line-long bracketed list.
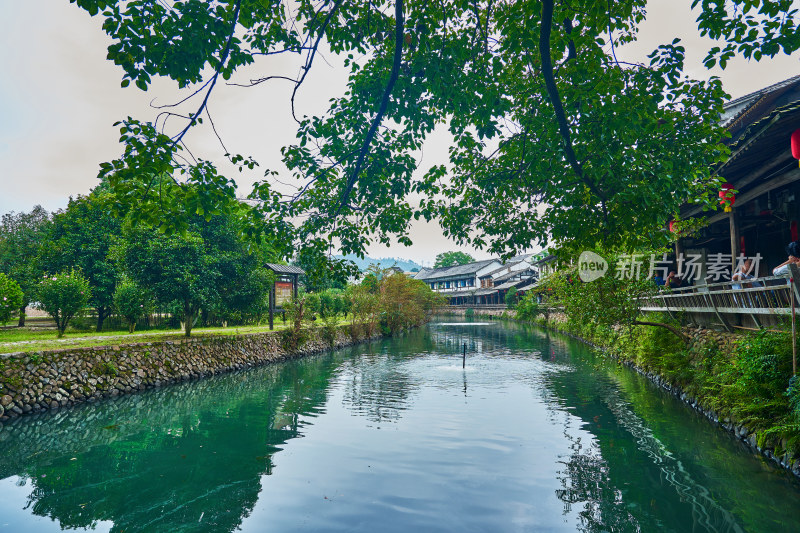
[(726, 197), (796, 144), (672, 226)]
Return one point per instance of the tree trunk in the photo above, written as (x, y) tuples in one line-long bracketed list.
[(188, 316), (673, 329), (61, 324), (21, 322), (101, 316)]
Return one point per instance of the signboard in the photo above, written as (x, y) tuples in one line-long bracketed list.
[(283, 292)]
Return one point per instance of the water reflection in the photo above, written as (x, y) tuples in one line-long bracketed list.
[(538, 432), (152, 461)]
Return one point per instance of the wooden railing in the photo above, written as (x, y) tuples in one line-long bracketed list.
[(757, 298)]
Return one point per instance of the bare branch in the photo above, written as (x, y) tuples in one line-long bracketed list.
[(310, 60)]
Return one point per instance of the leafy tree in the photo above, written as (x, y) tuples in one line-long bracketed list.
[(210, 266), (23, 236), (248, 297), (82, 236), (579, 146), (321, 271), (330, 303), (611, 302), (528, 307), (406, 302), (511, 298), (10, 297), (175, 268), (244, 283), (131, 301), (364, 308), (446, 259), (64, 295)]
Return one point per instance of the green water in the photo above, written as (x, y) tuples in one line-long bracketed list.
[(536, 434)]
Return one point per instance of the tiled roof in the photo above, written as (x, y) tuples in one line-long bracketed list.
[(285, 269), (453, 271), (514, 283), (476, 292), (755, 103), (524, 272), (502, 268)]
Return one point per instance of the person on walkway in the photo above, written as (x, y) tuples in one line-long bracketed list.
[(793, 250), (743, 273), (673, 281)]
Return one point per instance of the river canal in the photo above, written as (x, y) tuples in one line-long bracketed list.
[(537, 433)]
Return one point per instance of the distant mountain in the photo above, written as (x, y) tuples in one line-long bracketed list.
[(384, 262)]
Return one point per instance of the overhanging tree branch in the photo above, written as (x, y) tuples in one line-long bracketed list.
[(222, 60), (555, 99), (387, 93), (671, 328)]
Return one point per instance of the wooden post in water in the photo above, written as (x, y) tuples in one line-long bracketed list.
[(464, 359)]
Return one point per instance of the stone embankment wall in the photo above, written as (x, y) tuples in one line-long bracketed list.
[(39, 381)]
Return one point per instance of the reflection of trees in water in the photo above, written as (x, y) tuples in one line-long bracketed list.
[(187, 457), (375, 384), (488, 338), (613, 477), (706, 513), (585, 481)]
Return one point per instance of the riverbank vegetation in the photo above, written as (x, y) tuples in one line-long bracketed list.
[(745, 379), (93, 269)]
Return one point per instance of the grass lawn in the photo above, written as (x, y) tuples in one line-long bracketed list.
[(35, 339), (38, 339)]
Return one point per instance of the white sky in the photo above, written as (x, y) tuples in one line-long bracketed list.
[(59, 97)]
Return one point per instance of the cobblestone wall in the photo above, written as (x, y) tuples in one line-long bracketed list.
[(39, 381)]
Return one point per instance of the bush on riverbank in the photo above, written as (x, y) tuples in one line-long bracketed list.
[(746, 380)]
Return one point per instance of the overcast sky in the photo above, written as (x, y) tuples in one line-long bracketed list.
[(59, 97)]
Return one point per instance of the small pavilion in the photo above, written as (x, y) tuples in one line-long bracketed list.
[(284, 288)]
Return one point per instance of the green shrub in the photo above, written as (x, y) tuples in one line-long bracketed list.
[(132, 302), (329, 329), (753, 386), (511, 298), (63, 296), (10, 297)]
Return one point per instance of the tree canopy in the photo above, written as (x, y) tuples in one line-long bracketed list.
[(555, 139), (81, 237), (23, 237), (446, 259)]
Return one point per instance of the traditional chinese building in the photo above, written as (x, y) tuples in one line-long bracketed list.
[(482, 282), (762, 183)]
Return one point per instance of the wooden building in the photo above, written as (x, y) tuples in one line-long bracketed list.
[(764, 176)]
